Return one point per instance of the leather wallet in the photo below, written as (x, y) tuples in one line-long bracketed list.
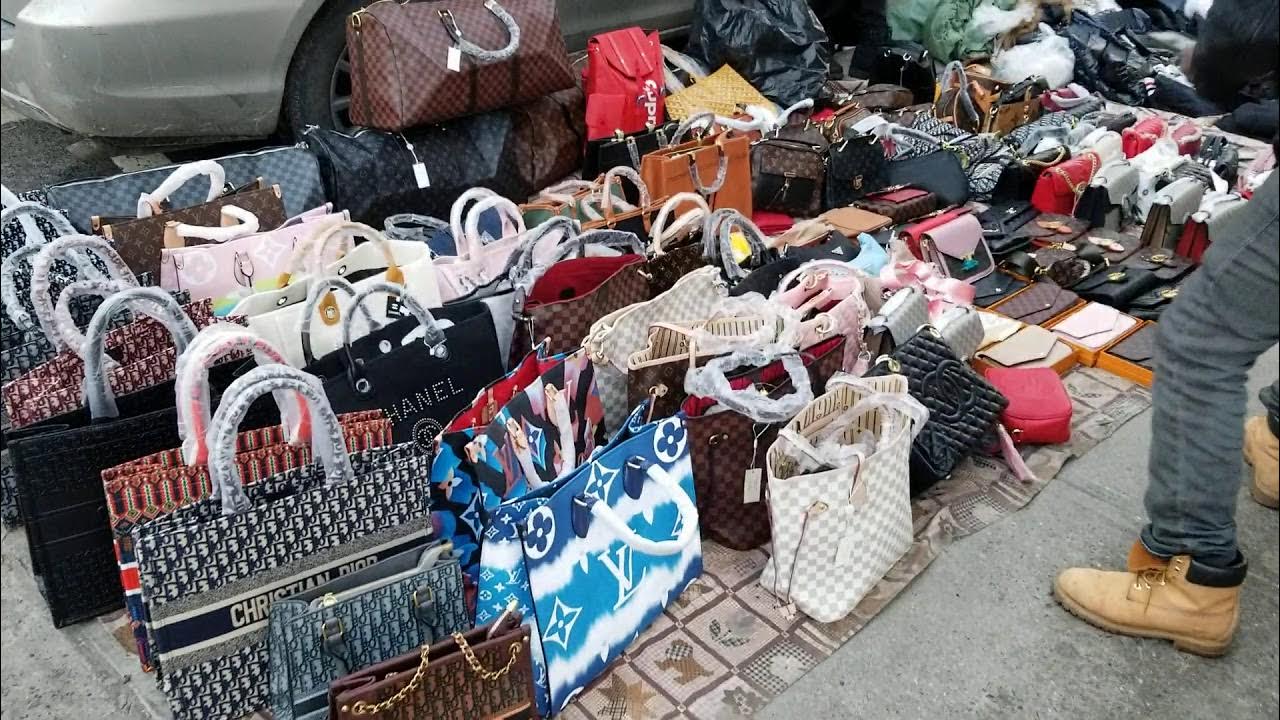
[(852, 220), (1166, 266), (995, 287), (1040, 303), (1151, 305), (1039, 410), (1094, 326), (996, 327), (1139, 348), (1117, 286), (1030, 347), (1051, 228)]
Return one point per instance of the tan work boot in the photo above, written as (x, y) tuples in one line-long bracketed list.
[(1262, 451), (1195, 606)]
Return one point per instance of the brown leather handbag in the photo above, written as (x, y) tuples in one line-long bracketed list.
[(716, 166), (414, 63), (787, 175), (140, 240), (482, 674)]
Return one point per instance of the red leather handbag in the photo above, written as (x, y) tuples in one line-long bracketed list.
[(1039, 411), (1137, 138), (623, 83), (1058, 189)]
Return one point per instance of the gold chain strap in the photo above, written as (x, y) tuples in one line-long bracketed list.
[(474, 661), (1077, 189), (363, 708)]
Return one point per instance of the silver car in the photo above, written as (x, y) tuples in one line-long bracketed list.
[(213, 68)]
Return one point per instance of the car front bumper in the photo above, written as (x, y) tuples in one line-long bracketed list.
[(151, 68)]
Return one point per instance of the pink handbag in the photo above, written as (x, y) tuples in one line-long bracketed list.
[(241, 259), (478, 262), (958, 249), (1094, 326)]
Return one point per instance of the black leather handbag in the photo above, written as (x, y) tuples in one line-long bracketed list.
[(938, 172), (995, 287), (963, 407), (855, 167), (621, 150), (1118, 286)]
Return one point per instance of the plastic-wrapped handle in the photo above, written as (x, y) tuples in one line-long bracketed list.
[(458, 212), (191, 387), (616, 176), (412, 227), (717, 234), (471, 234), (710, 381), (327, 443), (246, 224), (324, 287), (61, 249), (149, 301), (179, 177), (589, 505), (658, 233), (483, 55), (434, 335)]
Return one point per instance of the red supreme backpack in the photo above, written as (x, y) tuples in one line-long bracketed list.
[(623, 83)]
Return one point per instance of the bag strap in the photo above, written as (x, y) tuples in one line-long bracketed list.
[(954, 75), (458, 211), (470, 246), (191, 387), (305, 260), (433, 336), (617, 175), (327, 444), (27, 212), (585, 508), (711, 381), (659, 233), (153, 302), (717, 242), (246, 224), (59, 335), (482, 55), (412, 227), (329, 308), (679, 61), (149, 203)]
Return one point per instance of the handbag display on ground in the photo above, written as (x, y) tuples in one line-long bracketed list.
[(483, 57), (210, 571), (839, 499), (319, 635), (547, 549)]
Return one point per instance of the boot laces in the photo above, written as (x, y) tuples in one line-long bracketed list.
[(1150, 577)]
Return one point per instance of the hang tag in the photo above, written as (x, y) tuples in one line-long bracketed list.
[(394, 309), (420, 175), (844, 551), (454, 62), (751, 486)]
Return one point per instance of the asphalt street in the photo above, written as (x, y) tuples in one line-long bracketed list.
[(976, 636)]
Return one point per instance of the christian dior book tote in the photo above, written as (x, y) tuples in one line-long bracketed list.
[(839, 498), (210, 571)]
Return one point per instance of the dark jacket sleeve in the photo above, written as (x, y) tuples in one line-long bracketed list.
[(1238, 43)]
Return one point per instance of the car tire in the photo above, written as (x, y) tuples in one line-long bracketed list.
[(309, 84)]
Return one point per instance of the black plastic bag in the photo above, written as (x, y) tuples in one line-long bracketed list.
[(777, 45)]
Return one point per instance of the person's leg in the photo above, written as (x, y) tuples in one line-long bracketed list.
[(1184, 577), (1227, 315), (1262, 449)]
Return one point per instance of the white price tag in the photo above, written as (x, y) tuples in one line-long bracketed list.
[(751, 486), (844, 551), (454, 61), (420, 175)]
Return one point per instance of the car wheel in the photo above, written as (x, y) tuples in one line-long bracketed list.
[(317, 89)]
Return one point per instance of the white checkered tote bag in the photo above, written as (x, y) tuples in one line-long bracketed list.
[(838, 494)]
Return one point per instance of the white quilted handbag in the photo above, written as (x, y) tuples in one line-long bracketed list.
[(839, 495)]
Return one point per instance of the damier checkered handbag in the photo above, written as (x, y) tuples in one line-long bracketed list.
[(156, 485), (210, 571), (839, 498), (423, 62), (560, 299)]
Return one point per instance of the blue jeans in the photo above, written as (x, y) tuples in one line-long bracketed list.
[(1224, 318)]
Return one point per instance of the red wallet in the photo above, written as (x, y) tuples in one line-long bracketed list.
[(1039, 411)]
